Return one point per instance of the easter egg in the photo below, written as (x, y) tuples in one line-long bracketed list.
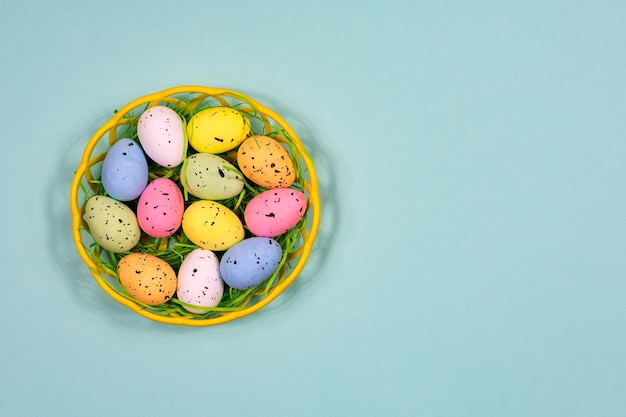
[(250, 262), (162, 135), (273, 212), (147, 278), (199, 280), (266, 162), (212, 225), (217, 129), (112, 224), (160, 208), (211, 177), (124, 170)]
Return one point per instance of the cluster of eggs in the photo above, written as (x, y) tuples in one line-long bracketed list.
[(223, 254)]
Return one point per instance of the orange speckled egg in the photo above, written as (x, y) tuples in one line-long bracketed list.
[(147, 278), (266, 162)]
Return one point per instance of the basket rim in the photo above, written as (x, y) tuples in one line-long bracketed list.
[(313, 203)]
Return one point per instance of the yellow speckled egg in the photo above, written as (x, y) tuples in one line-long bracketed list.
[(217, 130), (266, 162), (212, 225), (147, 278)]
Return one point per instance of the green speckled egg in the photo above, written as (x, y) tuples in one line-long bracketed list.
[(112, 224), (211, 177)]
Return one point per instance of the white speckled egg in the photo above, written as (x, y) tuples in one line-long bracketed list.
[(162, 135), (211, 177), (199, 280), (112, 224)]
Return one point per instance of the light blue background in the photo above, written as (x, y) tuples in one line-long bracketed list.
[(471, 260)]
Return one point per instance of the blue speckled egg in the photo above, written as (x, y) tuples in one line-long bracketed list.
[(250, 262), (125, 170)]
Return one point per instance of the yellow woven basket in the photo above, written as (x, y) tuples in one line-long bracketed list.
[(189, 100)]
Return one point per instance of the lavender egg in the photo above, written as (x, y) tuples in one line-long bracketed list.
[(250, 262), (125, 170), (112, 224)]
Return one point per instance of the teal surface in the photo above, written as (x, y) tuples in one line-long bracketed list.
[(471, 260)]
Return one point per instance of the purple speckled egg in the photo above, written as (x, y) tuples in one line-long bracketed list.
[(125, 170), (250, 262)]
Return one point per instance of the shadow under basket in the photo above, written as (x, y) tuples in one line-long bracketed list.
[(186, 101)]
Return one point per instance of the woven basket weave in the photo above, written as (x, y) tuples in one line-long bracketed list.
[(189, 100)]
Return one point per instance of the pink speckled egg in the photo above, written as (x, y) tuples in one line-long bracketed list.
[(160, 208), (161, 134), (274, 212)]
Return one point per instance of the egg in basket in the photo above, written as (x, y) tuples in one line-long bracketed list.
[(195, 206)]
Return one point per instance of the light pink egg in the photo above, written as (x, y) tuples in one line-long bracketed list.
[(274, 212), (161, 134), (160, 208), (199, 280)]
